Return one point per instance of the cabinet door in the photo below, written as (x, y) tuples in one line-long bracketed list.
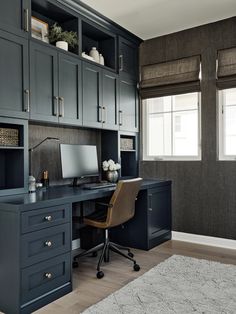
[(44, 83), (70, 93), (14, 16), (92, 102), (159, 211), (128, 58), (110, 100), (128, 109), (14, 77)]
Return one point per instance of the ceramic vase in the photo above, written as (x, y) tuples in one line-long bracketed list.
[(112, 176), (62, 44), (101, 59), (94, 54)]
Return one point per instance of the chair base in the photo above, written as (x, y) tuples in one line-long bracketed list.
[(106, 247)]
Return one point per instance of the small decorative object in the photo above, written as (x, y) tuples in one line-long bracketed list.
[(84, 55), (62, 39), (101, 59), (32, 184), (95, 54), (45, 179), (39, 29), (110, 167)]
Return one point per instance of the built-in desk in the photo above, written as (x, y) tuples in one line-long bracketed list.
[(35, 239)]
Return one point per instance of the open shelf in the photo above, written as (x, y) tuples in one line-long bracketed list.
[(13, 156), (104, 42), (50, 13)]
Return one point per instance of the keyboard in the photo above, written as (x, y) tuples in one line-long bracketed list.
[(100, 185)]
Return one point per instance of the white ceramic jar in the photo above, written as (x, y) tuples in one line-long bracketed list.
[(94, 54), (101, 59), (62, 44)]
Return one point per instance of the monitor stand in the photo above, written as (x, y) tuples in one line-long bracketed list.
[(75, 182)]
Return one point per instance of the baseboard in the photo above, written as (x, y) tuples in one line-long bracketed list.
[(205, 240)]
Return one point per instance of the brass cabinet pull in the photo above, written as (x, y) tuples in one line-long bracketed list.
[(26, 20), (61, 107), (121, 63), (48, 218), (120, 117), (55, 106), (27, 101), (100, 114), (48, 243), (48, 275), (105, 114)]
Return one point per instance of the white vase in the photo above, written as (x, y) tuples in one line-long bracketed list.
[(94, 54), (62, 44), (101, 59)]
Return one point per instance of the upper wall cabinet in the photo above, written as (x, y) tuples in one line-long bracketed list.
[(128, 111), (128, 58), (55, 80), (100, 97), (14, 16), (14, 87)]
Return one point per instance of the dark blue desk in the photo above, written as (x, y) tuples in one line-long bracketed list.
[(35, 239)]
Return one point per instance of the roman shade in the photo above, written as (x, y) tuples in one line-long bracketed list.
[(169, 78), (226, 68)]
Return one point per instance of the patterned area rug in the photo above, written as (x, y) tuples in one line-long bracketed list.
[(180, 285)]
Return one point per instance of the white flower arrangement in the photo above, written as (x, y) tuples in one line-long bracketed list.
[(110, 165)]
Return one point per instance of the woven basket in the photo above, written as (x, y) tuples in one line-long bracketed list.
[(126, 144), (9, 137)]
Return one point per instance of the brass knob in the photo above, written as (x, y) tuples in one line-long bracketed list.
[(48, 275), (48, 243), (48, 218)]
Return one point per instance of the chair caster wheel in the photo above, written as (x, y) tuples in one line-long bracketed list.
[(100, 274), (131, 254), (75, 264), (136, 267), (94, 254)]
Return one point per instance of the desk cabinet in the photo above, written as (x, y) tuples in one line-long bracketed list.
[(36, 257), (151, 224)]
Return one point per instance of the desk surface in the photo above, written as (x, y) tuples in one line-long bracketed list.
[(62, 194)]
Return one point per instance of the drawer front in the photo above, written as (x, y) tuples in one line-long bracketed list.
[(45, 217), (45, 277), (41, 245)]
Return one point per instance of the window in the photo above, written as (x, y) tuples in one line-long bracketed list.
[(171, 127), (227, 124)]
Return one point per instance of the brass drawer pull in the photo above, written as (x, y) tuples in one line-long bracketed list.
[(48, 275), (48, 243), (48, 218)]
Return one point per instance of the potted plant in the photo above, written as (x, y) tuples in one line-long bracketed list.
[(110, 167), (61, 38)]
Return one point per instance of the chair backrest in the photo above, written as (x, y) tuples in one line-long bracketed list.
[(122, 203)]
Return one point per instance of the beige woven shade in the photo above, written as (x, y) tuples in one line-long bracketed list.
[(226, 70), (171, 77)]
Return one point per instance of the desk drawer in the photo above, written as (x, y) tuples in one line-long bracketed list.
[(41, 245), (45, 277), (45, 217)]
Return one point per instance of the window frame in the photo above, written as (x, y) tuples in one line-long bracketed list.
[(145, 130), (221, 127)]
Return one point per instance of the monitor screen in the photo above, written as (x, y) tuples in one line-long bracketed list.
[(79, 161)]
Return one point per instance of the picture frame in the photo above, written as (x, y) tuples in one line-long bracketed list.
[(39, 29)]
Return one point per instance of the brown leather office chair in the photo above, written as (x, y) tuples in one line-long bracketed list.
[(120, 209)]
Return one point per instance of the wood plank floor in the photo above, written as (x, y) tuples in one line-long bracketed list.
[(89, 290)]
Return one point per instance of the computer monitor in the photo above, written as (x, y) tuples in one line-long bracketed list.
[(78, 161)]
